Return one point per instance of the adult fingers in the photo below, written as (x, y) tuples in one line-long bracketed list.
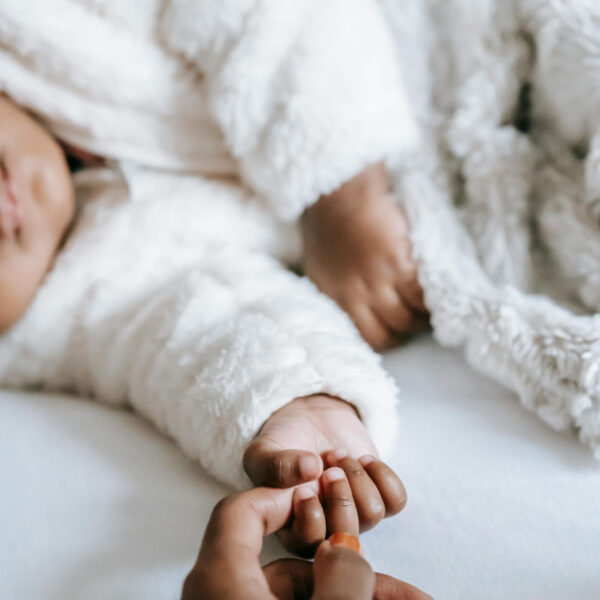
[(243, 520), (340, 510), (390, 588), (341, 573), (289, 578), (369, 503), (267, 464), (388, 483), (228, 562)]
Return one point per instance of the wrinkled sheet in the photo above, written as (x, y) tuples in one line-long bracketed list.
[(95, 504)]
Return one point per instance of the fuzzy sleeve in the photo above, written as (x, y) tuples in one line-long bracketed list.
[(307, 93)]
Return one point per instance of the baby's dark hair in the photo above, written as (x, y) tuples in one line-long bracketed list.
[(75, 163)]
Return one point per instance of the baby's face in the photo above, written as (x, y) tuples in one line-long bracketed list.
[(36, 206)]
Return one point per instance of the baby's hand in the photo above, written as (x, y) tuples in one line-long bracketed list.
[(356, 493), (301, 439), (357, 251)]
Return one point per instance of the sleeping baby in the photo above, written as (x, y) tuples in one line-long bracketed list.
[(157, 275)]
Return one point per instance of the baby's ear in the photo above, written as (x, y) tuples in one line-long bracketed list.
[(266, 464)]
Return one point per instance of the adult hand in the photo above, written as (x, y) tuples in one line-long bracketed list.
[(228, 564)]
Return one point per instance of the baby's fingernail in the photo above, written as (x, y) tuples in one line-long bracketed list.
[(334, 474), (345, 540), (366, 460), (304, 493), (310, 465)]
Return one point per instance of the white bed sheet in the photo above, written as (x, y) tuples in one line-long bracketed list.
[(94, 504)]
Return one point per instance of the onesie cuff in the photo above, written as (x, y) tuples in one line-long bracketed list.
[(320, 365)]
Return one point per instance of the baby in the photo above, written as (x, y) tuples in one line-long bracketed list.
[(356, 251)]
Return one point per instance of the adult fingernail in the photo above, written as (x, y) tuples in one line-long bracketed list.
[(334, 474), (310, 465), (345, 540), (366, 460)]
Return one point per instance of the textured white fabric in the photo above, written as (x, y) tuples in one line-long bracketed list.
[(503, 204), (97, 506), (304, 104)]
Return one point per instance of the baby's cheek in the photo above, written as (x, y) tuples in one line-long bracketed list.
[(54, 193), (12, 306)]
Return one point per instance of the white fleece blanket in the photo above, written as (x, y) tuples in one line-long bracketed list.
[(504, 198), (293, 99)]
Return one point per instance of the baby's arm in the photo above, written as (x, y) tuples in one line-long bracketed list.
[(357, 251)]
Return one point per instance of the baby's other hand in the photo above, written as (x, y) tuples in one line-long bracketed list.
[(357, 251)]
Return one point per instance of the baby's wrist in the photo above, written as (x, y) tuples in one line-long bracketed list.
[(349, 198)]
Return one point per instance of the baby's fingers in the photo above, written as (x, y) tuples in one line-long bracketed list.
[(340, 510), (369, 503), (308, 527), (388, 483), (371, 328)]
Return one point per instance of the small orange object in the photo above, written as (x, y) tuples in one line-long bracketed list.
[(345, 540)]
